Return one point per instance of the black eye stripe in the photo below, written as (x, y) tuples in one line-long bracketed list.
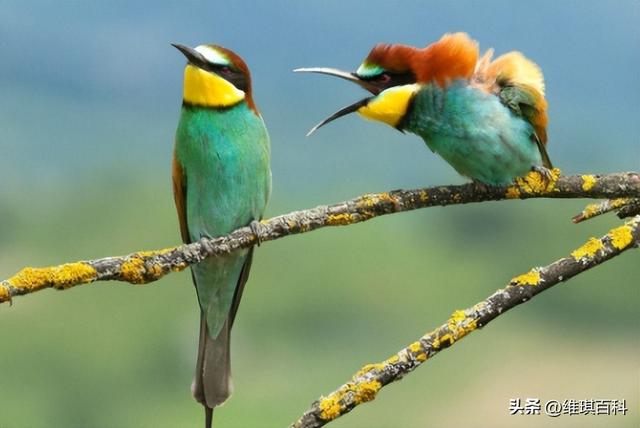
[(402, 78), (388, 79), (232, 75)]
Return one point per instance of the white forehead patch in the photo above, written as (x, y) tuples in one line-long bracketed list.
[(212, 55)]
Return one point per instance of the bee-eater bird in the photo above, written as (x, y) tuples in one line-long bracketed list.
[(221, 181), (486, 118)]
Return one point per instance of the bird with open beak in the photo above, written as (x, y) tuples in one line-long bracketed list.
[(487, 118)]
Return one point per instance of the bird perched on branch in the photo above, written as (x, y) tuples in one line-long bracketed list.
[(221, 181), (487, 118)]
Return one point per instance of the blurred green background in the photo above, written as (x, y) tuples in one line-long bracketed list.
[(90, 97)]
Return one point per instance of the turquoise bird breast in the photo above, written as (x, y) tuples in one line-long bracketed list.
[(474, 132), (224, 154)]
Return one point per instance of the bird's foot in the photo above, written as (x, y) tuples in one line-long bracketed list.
[(256, 229), (545, 173), (205, 241)]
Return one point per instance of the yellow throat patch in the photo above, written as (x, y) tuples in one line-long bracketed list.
[(390, 105), (208, 89)]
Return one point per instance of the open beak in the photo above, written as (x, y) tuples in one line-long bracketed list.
[(342, 112), (351, 77), (193, 56)]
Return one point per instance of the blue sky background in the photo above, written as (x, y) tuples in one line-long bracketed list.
[(88, 85)]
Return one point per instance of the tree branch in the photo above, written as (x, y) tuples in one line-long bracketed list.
[(368, 381), (622, 205), (148, 266), (629, 210)]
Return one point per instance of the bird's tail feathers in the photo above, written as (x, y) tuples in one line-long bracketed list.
[(212, 382)]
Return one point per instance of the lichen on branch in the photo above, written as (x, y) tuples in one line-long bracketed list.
[(368, 381), (148, 266), (621, 205)]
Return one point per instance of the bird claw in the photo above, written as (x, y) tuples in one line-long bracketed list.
[(256, 229), (205, 241), (545, 173)]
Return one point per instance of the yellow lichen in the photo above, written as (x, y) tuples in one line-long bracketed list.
[(512, 193), (536, 183), (588, 250), (590, 210), (133, 270), (417, 351), (156, 270), (179, 267), (62, 276), (530, 278), (588, 181), (359, 391), (367, 201), (415, 347), (459, 325), (445, 339), (144, 254), (619, 202), (371, 200), (5, 294), (362, 388), (387, 197), (435, 344), (621, 237), (424, 196), (366, 391), (31, 278), (368, 368), (340, 219), (70, 274), (593, 210), (457, 317), (392, 359), (329, 407)]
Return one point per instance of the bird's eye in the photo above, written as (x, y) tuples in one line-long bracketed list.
[(382, 78), (225, 70)]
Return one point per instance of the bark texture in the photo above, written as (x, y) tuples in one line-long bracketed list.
[(147, 266), (368, 381)]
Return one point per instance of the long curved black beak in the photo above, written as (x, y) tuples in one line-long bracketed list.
[(193, 56), (351, 77), (342, 112)]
